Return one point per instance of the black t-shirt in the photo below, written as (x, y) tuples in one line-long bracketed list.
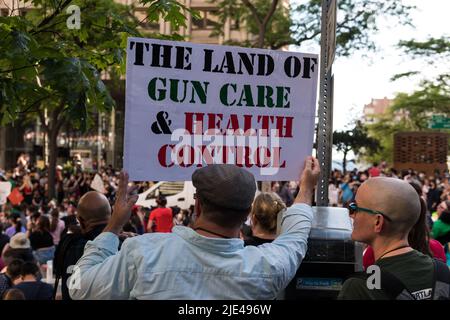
[(414, 269), (255, 241), (69, 250), (4, 239), (36, 290), (41, 240)]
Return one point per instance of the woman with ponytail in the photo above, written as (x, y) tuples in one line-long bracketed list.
[(265, 210)]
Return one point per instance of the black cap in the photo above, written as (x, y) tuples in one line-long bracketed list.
[(225, 185)]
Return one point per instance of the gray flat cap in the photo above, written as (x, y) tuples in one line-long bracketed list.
[(225, 185)]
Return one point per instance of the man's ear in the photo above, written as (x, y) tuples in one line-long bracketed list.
[(82, 222), (198, 208), (379, 223)]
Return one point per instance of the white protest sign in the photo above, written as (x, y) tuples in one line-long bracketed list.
[(189, 105), (97, 184), (5, 190)]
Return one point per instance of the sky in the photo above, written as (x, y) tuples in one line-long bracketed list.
[(358, 79)]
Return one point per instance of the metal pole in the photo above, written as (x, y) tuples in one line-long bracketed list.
[(325, 112)]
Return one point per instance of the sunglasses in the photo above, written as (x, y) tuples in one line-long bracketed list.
[(353, 208)]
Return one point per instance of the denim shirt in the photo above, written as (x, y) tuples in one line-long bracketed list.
[(186, 265)]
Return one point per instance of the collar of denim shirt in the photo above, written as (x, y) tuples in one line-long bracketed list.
[(210, 244)]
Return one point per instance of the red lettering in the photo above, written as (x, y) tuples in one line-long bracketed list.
[(181, 156), (162, 156), (265, 124), (233, 122), (212, 123), (277, 157), (284, 129), (194, 125), (266, 157)]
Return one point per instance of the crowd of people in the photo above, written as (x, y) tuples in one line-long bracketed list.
[(41, 236)]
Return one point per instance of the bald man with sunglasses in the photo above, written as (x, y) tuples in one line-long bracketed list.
[(384, 212)]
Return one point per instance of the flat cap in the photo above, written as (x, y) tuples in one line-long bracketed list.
[(225, 185)]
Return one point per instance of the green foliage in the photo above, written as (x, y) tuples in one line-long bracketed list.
[(277, 32), (170, 10), (433, 47), (432, 98), (44, 64), (356, 139), (383, 130)]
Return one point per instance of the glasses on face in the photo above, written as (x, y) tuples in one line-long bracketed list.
[(353, 208)]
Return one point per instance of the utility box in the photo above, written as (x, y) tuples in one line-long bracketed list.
[(331, 257), (421, 151)]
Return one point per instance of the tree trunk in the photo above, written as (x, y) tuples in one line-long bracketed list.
[(344, 162), (262, 23), (261, 35), (52, 129)]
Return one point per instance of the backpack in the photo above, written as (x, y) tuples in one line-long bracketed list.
[(394, 288), (60, 255)]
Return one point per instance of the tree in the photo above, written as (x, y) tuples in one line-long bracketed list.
[(49, 70), (298, 24), (413, 111), (355, 139), (357, 21)]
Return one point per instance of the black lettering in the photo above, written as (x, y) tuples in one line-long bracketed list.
[(156, 55), (296, 67), (182, 57), (208, 60), (308, 66), (247, 63), (138, 52), (265, 65)]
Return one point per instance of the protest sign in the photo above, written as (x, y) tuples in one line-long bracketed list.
[(5, 190), (97, 184), (189, 105)]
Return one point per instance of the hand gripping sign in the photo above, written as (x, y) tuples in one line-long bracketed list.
[(190, 105)]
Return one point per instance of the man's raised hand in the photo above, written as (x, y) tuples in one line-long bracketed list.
[(308, 180), (125, 200)]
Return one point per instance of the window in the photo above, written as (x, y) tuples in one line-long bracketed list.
[(4, 12), (207, 20), (23, 12), (235, 24)]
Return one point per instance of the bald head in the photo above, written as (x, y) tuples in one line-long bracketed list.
[(395, 198), (93, 208)]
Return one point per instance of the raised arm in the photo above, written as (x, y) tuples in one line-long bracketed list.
[(289, 248), (103, 272)]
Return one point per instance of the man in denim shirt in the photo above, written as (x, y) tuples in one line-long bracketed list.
[(207, 261)]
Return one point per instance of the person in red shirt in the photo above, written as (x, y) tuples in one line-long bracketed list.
[(161, 218), (374, 171)]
